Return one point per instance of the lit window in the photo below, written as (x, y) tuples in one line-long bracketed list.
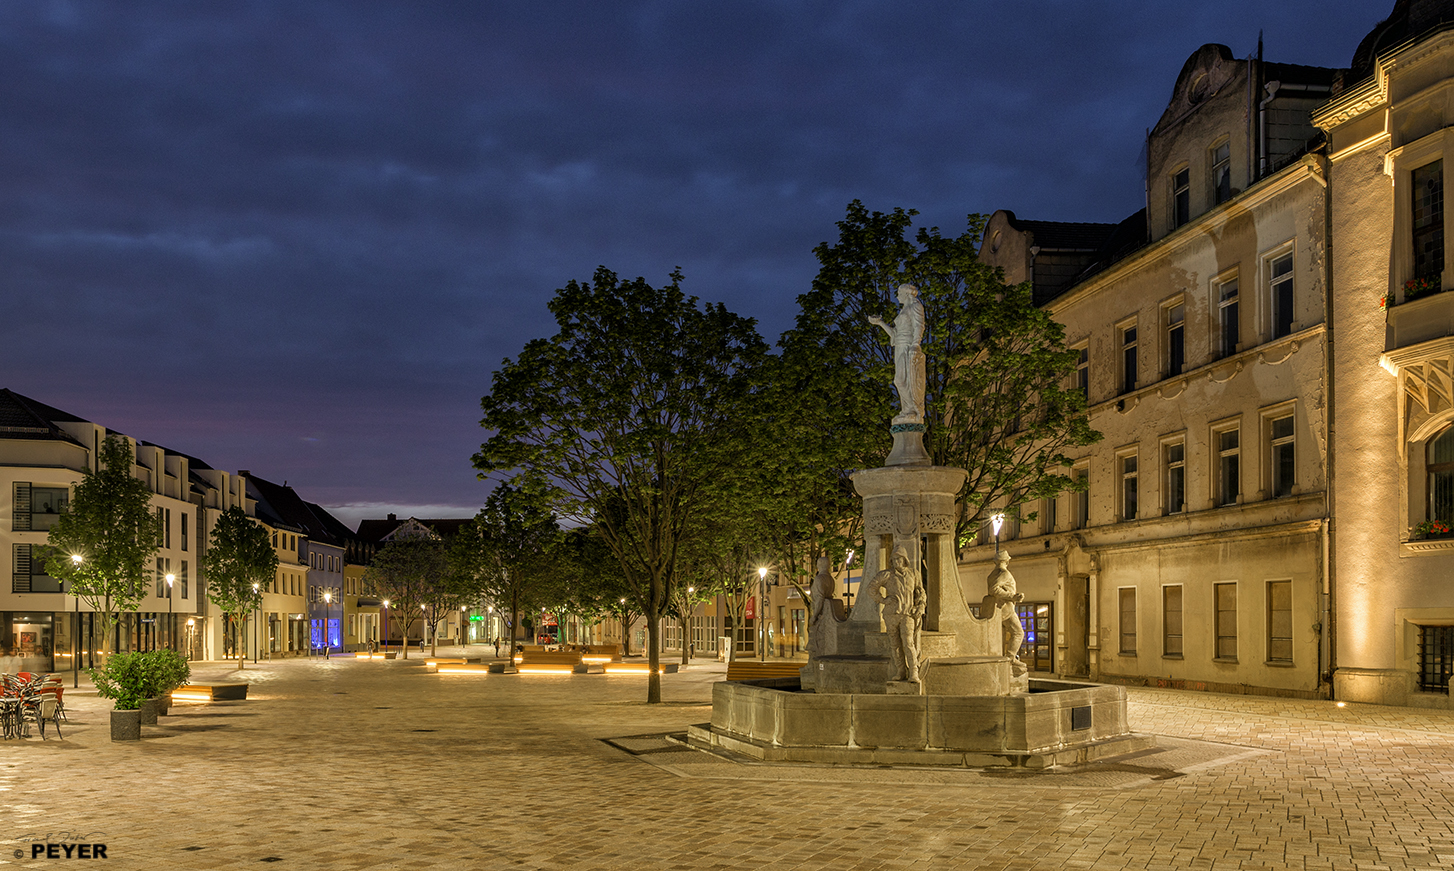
[(1279, 621), (1440, 467), (1428, 185), (1279, 283), (1227, 317), (1080, 498), (1128, 358), (1226, 596), (1180, 198), (1175, 339), (1171, 620), (1128, 487), (1222, 173), (1128, 620), (1282, 457), (1082, 372), (1229, 466), (1175, 464)]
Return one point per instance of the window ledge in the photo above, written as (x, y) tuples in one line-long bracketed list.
[(1172, 656), (1224, 659), (1277, 663), (1127, 653), (1426, 546)]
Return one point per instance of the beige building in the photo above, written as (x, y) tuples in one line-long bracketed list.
[(1273, 436)]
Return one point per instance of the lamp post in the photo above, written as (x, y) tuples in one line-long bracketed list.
[(76, 560), (848, 579), (171, 618), (996, 521), (762, 613), (191, 627), (257, 609), (327, 612), (386, 625)]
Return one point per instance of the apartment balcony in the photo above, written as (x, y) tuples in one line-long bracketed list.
[(1429, 317)]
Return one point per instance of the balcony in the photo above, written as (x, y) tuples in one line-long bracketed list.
[(1430, 316)]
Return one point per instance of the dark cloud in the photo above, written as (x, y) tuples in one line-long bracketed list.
[(297, 238)]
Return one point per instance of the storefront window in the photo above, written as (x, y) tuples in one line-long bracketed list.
[(26, 642)]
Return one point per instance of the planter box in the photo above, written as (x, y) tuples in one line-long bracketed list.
[(126, 725), (148, 712)]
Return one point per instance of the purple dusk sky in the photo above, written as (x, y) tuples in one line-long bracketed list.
[(297, 238)]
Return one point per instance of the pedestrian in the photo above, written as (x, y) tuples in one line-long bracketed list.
[(497, 647)]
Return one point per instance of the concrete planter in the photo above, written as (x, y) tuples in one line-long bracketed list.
[(148, 712), (164, 704), (126, 725)]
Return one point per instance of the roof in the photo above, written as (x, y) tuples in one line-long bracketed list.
[(280, 505), (375, 531), (24, 418), (1071, 235), (1410, 19)]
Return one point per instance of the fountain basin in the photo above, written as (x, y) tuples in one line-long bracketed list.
[(1057, 722)]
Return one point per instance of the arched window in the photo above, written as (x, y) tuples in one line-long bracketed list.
[(1440, 465)]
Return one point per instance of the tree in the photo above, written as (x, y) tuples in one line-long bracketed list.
[(404, 572), (102, 547), (627, 418), (238, 565), (508, 552), (997, 400)]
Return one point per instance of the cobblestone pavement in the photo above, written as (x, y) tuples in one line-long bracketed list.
[(354, 764)]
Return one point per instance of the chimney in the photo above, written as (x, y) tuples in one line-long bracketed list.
[(393, 517)]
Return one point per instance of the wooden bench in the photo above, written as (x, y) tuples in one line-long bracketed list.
[(377, 654), (752, 669), (434, 662), (600, 653), (210, 692)]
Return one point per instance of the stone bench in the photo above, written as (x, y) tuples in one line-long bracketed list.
[(216, 691), (540, 661), (751, 669)]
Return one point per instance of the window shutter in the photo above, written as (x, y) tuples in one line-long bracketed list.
[(21, 582), (20, 513)]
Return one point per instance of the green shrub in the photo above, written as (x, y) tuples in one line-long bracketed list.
[(123, 679)]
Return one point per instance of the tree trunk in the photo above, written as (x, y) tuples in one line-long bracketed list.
[(686, 642)]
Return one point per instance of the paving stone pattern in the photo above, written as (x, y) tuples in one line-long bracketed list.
[(350, 764)]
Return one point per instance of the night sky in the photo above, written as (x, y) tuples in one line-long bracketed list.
[(297, 238)]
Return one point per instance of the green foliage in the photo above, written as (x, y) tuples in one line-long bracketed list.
[(628, 419), (406, 572), (111, 527), (511, 552), (131, 678), (167, 669), (240, 563), (996, 395)]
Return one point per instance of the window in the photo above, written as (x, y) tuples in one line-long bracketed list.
[(1229, 468), (38, 509), (1128, 358), (1171, 620), (161, 579), (183, 579), (1128, 486), (1175, 339), (1051, 512), (1227, 317), (1440, 460), (1226, 601), (1174, 484), (1283, 471), (1436, 658), (1221, 173), (1180, 198), (29, 570), (184, 531), (1080, 498), (167, 525), (1082, 372), (1279, 621), (1279, 285), (1428, 192), (1128, 620)]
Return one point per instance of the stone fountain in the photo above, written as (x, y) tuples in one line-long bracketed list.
[(912, 675)]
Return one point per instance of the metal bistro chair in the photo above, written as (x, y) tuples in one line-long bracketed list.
[(53, 686), (42, 707)]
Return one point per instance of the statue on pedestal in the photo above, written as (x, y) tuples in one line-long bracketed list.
[(897, 590), (827, 609), (1002, 593), (905, 335)]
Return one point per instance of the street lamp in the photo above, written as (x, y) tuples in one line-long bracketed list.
[(257, 608), (386, 625), (762, 613), (996, 521), (76, 560), (848, 579), (171, 617), (327, 612), (191, 628)]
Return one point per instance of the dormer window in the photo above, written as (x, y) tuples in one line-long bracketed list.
[(1221, 173), (1180, 198)]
